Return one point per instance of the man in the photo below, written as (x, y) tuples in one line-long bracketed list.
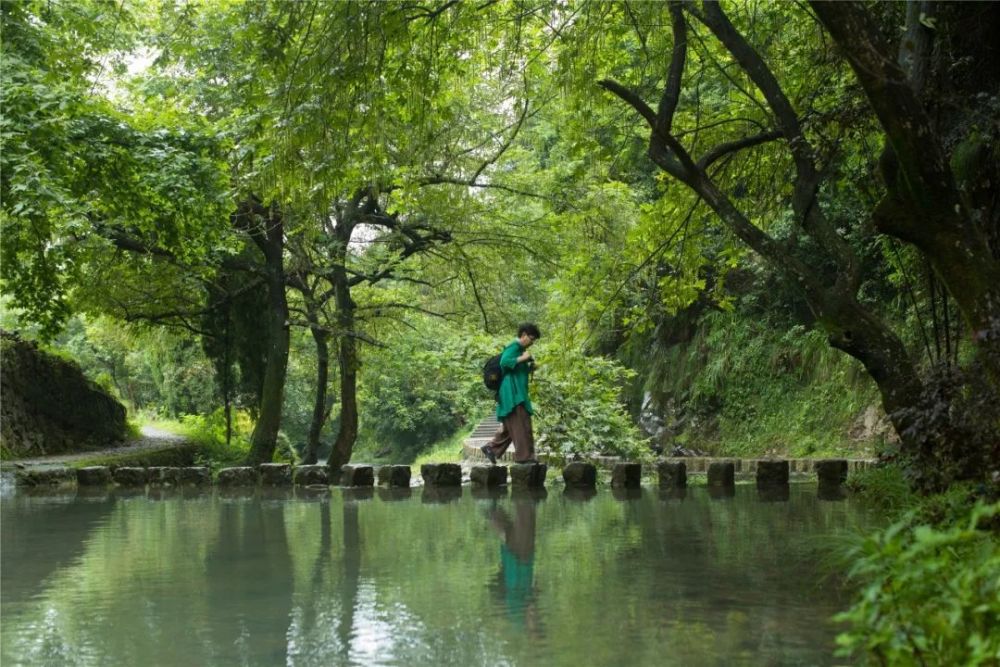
[(513, 404)]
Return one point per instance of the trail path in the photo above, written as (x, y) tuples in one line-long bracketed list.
[(153, 439)]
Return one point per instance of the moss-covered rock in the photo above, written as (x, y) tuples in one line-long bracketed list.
[(49, 406)]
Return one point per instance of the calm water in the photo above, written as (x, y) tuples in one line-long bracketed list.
[(168, 578)]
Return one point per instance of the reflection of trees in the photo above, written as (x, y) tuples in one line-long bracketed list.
[(248, 582), (52, 524)]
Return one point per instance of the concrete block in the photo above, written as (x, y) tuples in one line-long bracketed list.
[(275, 474), (626, 476), (672, 475), (831, 472), (488, 475), (441, 474), (530, 475), (164, 476), (357, 475), (311, 475), (195, 476), (580, 475), (129, 476), (394, 476), (93, 476), (772, 473), (721, 473), (239, 476)]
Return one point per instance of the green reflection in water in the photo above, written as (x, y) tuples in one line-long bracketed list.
[(419, 578)]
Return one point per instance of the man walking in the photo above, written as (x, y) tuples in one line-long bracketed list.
[(513, 404)]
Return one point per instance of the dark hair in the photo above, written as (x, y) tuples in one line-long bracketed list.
[(530, 329)]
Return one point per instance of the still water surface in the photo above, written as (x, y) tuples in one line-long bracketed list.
[(418, 578)]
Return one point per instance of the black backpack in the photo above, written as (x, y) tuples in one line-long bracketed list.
[(492, 373)]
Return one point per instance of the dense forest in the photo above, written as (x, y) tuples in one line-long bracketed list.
[(298, 229), (751, 229)]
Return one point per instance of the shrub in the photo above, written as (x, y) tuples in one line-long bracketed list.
[(928, 596)]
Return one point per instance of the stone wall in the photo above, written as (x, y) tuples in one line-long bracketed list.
[(48, 406)]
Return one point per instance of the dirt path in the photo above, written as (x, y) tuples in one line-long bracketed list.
[(153, 439)]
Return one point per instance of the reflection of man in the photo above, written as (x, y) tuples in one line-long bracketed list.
[(515, 581)]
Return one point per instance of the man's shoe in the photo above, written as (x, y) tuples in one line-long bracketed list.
[(488, 452)]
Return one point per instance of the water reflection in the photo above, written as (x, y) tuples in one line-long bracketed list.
[(578, 495), (626, 494), (391, 494), (497, 576), (774, 494), (674, 493), (721, 492), (441, 494), (514, 583)]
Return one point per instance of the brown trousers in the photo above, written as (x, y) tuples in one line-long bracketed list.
[(516, 428)]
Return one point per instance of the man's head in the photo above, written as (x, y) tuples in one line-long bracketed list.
[(527, 334)]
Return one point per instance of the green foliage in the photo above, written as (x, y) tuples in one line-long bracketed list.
[(929, 596), (578, 401), (884, 486), (422, 387)]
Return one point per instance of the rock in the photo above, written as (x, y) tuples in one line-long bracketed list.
[(93, 476), (311, 475), (395, 476), (626, 476), (721, 473), (128, 476), (49, 406), (721, 492), (831, 472), (357, 475), (195, 476), (672, 475), (531, 475), (45, 476), (441, 474), (488, 475), (772, 473), (580, 475), (240, 476), (275, 474), (164, 476)]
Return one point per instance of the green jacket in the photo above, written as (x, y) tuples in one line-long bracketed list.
[(514, 386)]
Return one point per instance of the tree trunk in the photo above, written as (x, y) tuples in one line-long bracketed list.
[(924, 206), (320, 408), (348, 360), (265, 226)]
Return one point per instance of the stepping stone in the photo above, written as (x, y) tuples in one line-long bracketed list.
[(45, 476), (832, 472), (93, 476), (275, 474), (129, 476), (528, 474), (311, 475), (580, 475), (721, 473), (488, 475), (239, 476), (195, 476), (772, 473), (395, 476), (672, 475), (164, 476), (357, 475), (441, 474), (626, 476)]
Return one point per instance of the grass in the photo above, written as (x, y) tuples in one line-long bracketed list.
[(448, 450)]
